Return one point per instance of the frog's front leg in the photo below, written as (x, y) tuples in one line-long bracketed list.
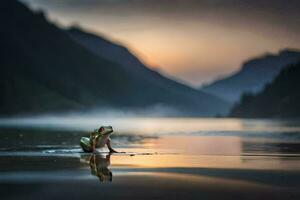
[(111, 150)]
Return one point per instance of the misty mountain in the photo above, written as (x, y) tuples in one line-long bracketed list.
[(119, 54), (278, 99), (44, 69), (109, 50), (252, 76)]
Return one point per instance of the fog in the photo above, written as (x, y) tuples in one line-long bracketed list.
[(130, 123)]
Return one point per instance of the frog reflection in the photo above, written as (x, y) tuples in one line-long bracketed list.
[(99, 167), (99, 164)]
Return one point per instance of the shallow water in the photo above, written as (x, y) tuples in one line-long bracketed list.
[(261, 155)]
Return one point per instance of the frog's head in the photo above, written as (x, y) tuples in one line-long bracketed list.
[(105, 130)]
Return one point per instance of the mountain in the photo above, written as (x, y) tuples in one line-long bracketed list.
[(252, 76), (45, 69), (114, 52), (280, 98), (129, 62)]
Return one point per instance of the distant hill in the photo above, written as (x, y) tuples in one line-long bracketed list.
[(252, 76), (45, 69), (280, 98), (109, 50), (116, 53)]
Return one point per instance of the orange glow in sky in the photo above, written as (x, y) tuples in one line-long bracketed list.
[(192, 41)]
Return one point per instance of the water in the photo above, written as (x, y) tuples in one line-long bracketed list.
[(45, 150), (139, 125), (252, 135)]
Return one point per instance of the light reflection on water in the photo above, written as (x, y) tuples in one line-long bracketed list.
[(179, 142), (189, 135)]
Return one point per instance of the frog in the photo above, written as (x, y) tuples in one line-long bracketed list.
[(98, 139)]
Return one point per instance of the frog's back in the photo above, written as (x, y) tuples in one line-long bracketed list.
[(85, 144)]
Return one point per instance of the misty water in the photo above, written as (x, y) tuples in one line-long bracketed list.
[(192, 136), (46, 149)]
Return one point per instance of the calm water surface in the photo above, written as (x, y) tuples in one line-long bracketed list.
[(260, 152)]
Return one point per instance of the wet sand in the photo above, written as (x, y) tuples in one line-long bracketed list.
[(71, 176), (147, 186)]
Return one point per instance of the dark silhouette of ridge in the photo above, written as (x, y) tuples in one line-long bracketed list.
[(279, 99), (253, 75), (45, 69)]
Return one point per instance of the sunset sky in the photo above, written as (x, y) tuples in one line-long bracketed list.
[(193, 41)]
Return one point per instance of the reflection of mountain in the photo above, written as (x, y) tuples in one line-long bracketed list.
[(253, 75), (59, 138), (43, 69), (270, 147), (280, 98)]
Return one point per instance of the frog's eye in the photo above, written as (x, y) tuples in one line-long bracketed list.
[(101, 129)]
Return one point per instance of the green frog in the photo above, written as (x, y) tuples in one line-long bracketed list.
[(98, 139)]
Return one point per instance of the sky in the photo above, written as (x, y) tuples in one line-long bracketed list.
[(193, 41)]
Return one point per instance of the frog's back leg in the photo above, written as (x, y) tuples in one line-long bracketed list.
[(85, 144)]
